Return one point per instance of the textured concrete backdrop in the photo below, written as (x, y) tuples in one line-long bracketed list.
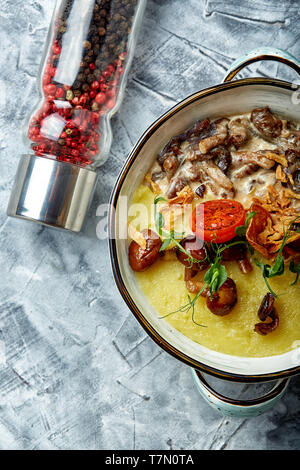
[(76, 370)]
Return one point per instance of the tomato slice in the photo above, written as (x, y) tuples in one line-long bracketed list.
[(216, 221)]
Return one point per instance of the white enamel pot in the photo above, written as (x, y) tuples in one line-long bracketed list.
[(224, 99)]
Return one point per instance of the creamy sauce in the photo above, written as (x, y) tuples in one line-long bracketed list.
[(253, 184)]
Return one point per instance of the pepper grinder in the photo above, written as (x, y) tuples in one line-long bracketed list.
[(86, 61)]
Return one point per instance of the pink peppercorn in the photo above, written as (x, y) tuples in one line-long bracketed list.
[(100, 98)]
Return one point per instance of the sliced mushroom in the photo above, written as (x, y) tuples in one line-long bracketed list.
[(157, 175), (170, 166), (266, 122), (292, 156), (218, 138), (257, 158), (245, 170), (222, 157), (193, 286), (265, 311), (200, 190), (139, 258), (199, 130), (176, 185), (219, 178), (238, 132), (293, 172), (222, 302), (196, 249), (238, 253)]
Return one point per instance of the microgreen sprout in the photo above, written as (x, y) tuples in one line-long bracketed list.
[(277, 268)]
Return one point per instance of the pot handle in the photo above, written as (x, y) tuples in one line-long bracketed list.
[(239, 408), (264, 53)]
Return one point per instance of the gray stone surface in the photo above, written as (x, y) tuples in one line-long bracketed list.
[(76, 370)]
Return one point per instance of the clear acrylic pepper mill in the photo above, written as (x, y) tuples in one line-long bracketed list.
[(86, 61)]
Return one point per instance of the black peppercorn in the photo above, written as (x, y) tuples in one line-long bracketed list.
[(90, 78), (85, 87), (101, 31), (117, 17), (76, 85), (97, 74), (105, 40), (88, 59)]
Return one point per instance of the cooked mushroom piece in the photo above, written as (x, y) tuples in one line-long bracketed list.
[(222, 302), (200, 190), (238, 132), (292, 156), (222, 157), (258, 158), (199, 130), (265, 311), (140, 259), (296, 179), (176, 185), (218, 177), (170, 166), (238, 253), (194, 247), (245, 170), (219, 136), (293, 173), (193, 286), (266, 122), (171, 148)]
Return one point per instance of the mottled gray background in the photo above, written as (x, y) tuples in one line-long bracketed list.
[(76, 369)]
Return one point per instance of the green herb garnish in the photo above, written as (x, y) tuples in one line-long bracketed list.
[(215, 277), (277, 269), (295, 268), (242, 229), (190, 305), (172, 236)]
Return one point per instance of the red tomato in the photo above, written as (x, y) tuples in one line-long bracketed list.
[(216, 221)]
